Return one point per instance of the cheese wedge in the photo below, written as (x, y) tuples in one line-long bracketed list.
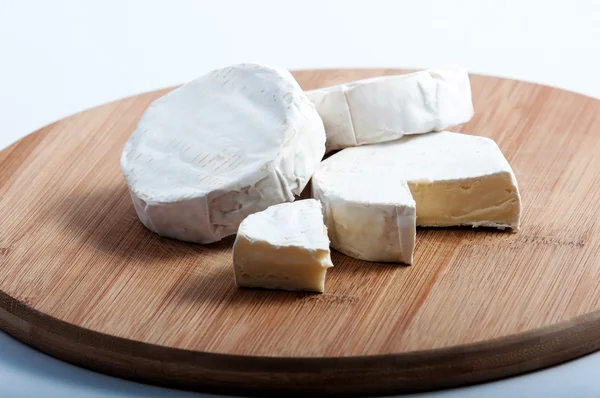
[(455, 179), (283, 247), (366, 216), (386, 108), (228, 144)]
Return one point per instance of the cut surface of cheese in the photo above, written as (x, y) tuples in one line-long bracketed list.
[(228, 144), (283, 247), (386, 108), (366, 216), (455, 179)]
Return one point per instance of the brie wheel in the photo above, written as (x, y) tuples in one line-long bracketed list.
[(228, 144), (386, 108), (454, 180)]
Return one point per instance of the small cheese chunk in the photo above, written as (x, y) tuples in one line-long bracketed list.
[(386, 108), (228, 144), (366, 216), (455, 179), (284, 247)]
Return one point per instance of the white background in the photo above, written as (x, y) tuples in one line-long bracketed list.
[(59, 57)]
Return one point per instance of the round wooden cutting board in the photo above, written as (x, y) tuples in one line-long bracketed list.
[(83, 280)]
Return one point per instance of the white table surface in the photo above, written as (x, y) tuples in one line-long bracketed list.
[(59, 57)]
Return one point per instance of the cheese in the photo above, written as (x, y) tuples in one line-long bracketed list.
[(455, 179), (386, 108), (366, 216), (283, 247), (228, 144)]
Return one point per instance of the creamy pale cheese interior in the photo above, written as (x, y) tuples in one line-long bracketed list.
[(284, 247), (491, 200), (265, 265)]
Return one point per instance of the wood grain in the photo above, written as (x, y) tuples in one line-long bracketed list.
[(83, 280)]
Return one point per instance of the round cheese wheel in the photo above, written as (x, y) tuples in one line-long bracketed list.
[(228, 144)]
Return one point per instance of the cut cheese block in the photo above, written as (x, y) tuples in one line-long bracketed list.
[(284, 247), (386, 108), (233, 142), (367, 216), (455, 179)]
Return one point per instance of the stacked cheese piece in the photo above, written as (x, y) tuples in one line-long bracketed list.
[(224, 153)]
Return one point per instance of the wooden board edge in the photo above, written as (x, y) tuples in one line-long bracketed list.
[(246, 375), (294, 72), (35, 136)]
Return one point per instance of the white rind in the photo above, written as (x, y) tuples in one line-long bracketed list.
[(440, 155), (288, 224), (226, 145), (386, 108), (367, 217)]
